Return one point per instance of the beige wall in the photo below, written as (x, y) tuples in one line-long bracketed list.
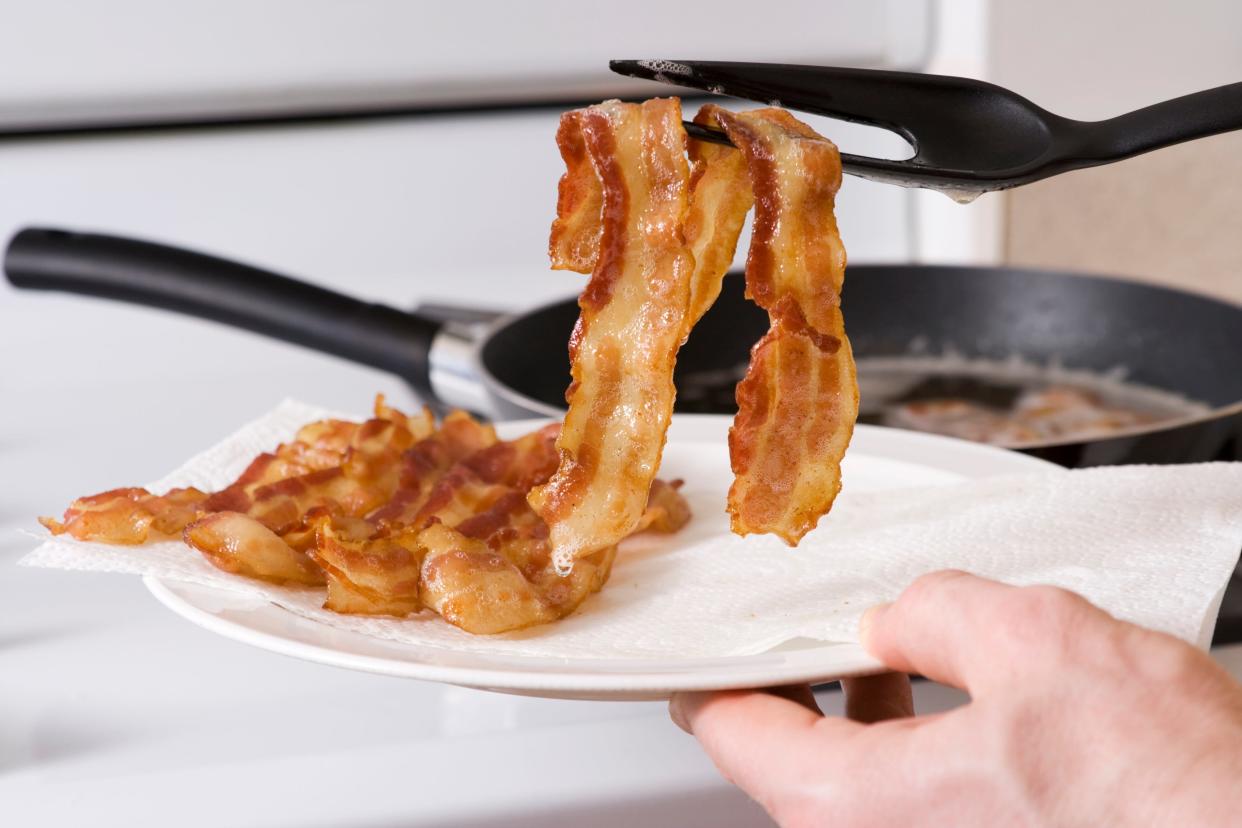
[(1174, 215)]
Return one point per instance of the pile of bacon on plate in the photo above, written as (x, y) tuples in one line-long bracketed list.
[(393, 514)]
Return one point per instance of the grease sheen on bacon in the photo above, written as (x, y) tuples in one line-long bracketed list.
[(799, 400), (635, 313)]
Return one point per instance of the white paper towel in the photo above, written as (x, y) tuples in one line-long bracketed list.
[(1151, 544)]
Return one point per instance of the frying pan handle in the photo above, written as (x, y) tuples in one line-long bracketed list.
[(247, 297)]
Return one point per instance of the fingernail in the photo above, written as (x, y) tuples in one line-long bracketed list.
[(867, 622), (677, 713)]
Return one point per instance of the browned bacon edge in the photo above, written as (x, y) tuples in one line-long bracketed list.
[(799, 400)]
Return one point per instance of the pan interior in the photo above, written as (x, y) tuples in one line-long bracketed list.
[(1181, 343)]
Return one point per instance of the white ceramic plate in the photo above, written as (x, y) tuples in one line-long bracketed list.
[(878, 459)]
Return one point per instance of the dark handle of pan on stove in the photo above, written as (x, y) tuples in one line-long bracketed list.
[(239, 295)]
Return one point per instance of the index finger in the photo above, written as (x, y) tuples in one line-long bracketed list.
[(971, 632), (758, 740)]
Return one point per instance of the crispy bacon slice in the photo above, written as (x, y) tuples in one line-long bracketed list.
[(574, 242), (346, 468), (799, 400), (128, 516), (483, 590), (482, 560), (393, 515), (242, 545), (667, 511), (421, 488), (635, 316), (368, 573), (798, 403), (720, 198)]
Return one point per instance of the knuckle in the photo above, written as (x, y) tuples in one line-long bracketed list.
[(1165, 659), (1164, 671), (1044, 615), (1051, 605), (929, 586)]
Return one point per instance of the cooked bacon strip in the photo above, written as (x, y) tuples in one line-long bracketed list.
[(574, 242), (368, 574), (667, 511), (424, 466), (492, 572), (484, 591), (455, 535), (240, 544), (420, 425), (799, 400), (635, 314), (720, 198), (128, 516)]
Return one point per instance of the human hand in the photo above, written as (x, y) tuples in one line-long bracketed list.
[(1075, 718)]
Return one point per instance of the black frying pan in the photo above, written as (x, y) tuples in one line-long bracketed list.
[(1166, 339)]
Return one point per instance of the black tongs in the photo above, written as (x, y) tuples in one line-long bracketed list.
[(968, 136)]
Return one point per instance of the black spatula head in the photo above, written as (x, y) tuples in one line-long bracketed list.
[(969, 136)]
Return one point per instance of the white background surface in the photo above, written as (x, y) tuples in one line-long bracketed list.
[(78, 62)]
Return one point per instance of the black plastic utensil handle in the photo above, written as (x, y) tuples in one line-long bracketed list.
[(1197, 115), (208, 287)]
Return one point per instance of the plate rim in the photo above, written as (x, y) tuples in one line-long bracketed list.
[(725, 677), (723, 673)]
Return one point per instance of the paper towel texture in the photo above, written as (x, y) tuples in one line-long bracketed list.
[(1151, 544)]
